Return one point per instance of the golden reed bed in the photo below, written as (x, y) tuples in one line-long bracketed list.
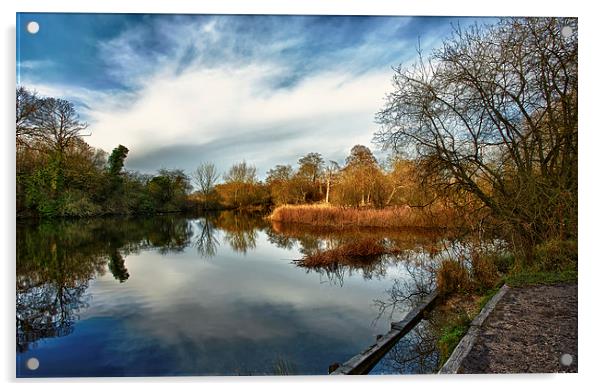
[(336, 216)]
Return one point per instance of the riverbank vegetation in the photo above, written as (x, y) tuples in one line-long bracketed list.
[(487, 126), (491, 117), (489, 122)]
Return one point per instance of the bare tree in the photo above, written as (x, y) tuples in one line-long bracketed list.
[(330, 172), (241, 173), (27, 106), (493, 114), (205, 177), (57, 124)]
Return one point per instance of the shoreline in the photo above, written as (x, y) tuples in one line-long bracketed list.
[(522, 329)]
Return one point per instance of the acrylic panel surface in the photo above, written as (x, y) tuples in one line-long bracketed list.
[(264, 195)]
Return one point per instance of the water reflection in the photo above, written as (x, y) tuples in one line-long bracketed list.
[(415, 353), (51, 282), (57, 260), (205, 241), (213, 294), (415, 251), (419, 279), (240, 229), (117, 266)]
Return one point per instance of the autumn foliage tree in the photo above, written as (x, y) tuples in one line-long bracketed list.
[(361, 181), (242, 188), (492, 114)]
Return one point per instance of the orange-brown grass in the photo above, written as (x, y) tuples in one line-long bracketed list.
[(484, 272), (334, 216), (453, 277), (360, 251)]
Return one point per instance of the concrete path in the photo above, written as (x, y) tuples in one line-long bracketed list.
[(530, 330)]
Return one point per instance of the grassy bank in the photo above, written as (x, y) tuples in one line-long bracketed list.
[(542, 278), (335, 216)]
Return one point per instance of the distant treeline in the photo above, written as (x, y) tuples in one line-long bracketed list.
[(59, 174), (360, 181)]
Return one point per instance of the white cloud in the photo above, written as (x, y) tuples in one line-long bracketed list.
[(181, 96), (203, 105)]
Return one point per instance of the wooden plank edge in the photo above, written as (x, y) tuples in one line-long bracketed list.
[(363, 362), (454, 362)]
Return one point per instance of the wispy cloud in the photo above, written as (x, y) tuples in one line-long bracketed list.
[(264, 89), (31, 65), (34, 64)]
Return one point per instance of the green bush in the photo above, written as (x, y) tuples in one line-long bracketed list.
[(75, 203), (556, 255), (504, 262)]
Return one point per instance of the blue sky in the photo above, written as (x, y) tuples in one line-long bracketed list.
[(178, 90)]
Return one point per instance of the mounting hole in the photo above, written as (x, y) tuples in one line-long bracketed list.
[(566, 31), (33, 364), (566, 359), (33, 27)]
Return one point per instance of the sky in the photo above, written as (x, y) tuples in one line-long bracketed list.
[(179, 90)]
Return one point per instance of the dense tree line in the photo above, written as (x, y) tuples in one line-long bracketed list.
[(360, 182), (59, 174)]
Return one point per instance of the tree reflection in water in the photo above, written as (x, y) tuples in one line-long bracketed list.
[(415, 353), (117, 266), (240, 229), (56, 260), (205, 241), (415, 247), (419, 280)]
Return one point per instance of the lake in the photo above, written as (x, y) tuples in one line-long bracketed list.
[(218, 294)]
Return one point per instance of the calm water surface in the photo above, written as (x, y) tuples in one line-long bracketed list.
[(211, 295)]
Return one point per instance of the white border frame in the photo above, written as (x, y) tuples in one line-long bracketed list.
[(589, 175)]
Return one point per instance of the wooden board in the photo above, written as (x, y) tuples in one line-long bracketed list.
[(363, 362)]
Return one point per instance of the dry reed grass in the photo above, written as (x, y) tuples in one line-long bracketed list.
[(360, 251), (484, 272), (477, 275), (335, 216), (453, 277)]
